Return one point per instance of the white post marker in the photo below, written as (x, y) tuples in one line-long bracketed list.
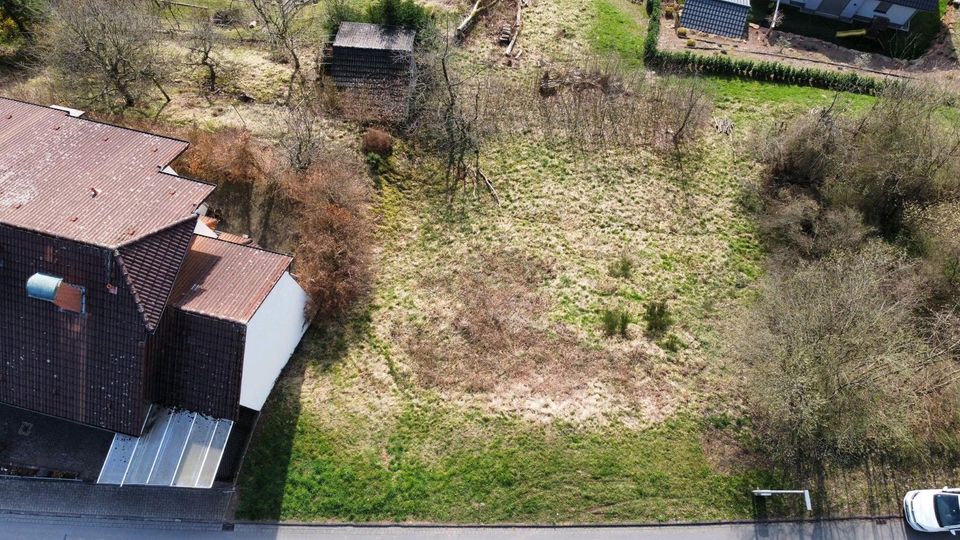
[(771, 492), (776, 11)]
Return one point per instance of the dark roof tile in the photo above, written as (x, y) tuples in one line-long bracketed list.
[(718, 17), (150, 266), (374, 36)]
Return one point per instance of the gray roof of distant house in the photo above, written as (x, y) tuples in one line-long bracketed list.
[(373, 36), (922, 5), (719, 17)]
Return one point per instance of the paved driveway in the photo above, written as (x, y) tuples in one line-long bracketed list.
[(24, 527)]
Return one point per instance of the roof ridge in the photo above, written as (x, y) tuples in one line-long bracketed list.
[(258, 248), (132, 282), (94, 120)]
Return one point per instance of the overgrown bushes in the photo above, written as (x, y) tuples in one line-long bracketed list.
[(839, 365), (333, 254), (899, 154), (326, 205), (849, 346)]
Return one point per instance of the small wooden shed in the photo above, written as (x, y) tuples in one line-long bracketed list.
[(374, 68)]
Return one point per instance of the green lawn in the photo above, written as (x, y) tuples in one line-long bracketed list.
[(619, 27), (436, 463)]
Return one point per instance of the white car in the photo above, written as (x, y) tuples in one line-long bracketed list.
[(933, 510)]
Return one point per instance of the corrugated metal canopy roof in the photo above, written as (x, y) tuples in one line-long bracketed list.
[(86, 181), (374, 36), (225, 280), (718, 17)]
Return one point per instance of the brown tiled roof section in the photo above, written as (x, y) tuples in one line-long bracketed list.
[(151, 265), (86, 181), (225, 280), (235, 238)]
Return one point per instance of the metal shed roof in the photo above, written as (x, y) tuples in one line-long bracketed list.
[(177, 448), (719, 17), (86, 181), (374, 36)]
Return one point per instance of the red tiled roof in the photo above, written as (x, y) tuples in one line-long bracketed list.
[(89, 182), (225, 280)]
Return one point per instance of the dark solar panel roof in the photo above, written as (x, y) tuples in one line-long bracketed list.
[(922, 5), (718, 17), (374, 36)]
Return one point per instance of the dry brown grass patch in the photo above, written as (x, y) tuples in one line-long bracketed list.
[(490, 335)]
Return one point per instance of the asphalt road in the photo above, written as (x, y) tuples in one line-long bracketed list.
[(30, 527)]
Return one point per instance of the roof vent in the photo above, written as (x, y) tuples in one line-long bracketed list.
[(73, 113), (94, 192)]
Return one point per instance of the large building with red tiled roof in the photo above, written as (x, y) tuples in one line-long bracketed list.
[(118, 309)]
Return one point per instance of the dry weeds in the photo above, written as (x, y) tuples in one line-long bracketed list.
[(491, 336)]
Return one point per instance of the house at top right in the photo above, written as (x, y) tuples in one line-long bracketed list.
[(881, 14)]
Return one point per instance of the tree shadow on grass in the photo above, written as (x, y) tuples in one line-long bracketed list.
[(263, 476)]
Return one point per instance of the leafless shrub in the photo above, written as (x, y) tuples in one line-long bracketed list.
[(334, 251), (302, 141), (107, 52), (837, 362), (377, 141), (880, 162), (800, 224), (601, 103), (239, 165), (224, 156)]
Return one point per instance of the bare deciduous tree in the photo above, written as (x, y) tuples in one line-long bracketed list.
[(203, 52), (838, 363), (282, 22), (108, 51), (452, 117), (301, 140)]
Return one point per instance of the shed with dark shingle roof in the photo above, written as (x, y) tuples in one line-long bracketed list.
[(373, 66), (718, 17)]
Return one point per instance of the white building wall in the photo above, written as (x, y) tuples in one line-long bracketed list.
[(272, 335), (202, 230)]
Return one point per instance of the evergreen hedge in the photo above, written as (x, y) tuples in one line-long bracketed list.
[(750, 69)]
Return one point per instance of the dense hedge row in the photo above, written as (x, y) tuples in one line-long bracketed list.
[(763, 71)]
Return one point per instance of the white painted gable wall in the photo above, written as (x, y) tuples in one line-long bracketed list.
[(272, 335)]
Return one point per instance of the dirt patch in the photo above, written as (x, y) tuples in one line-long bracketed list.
[(725, 454), (489, 336)]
